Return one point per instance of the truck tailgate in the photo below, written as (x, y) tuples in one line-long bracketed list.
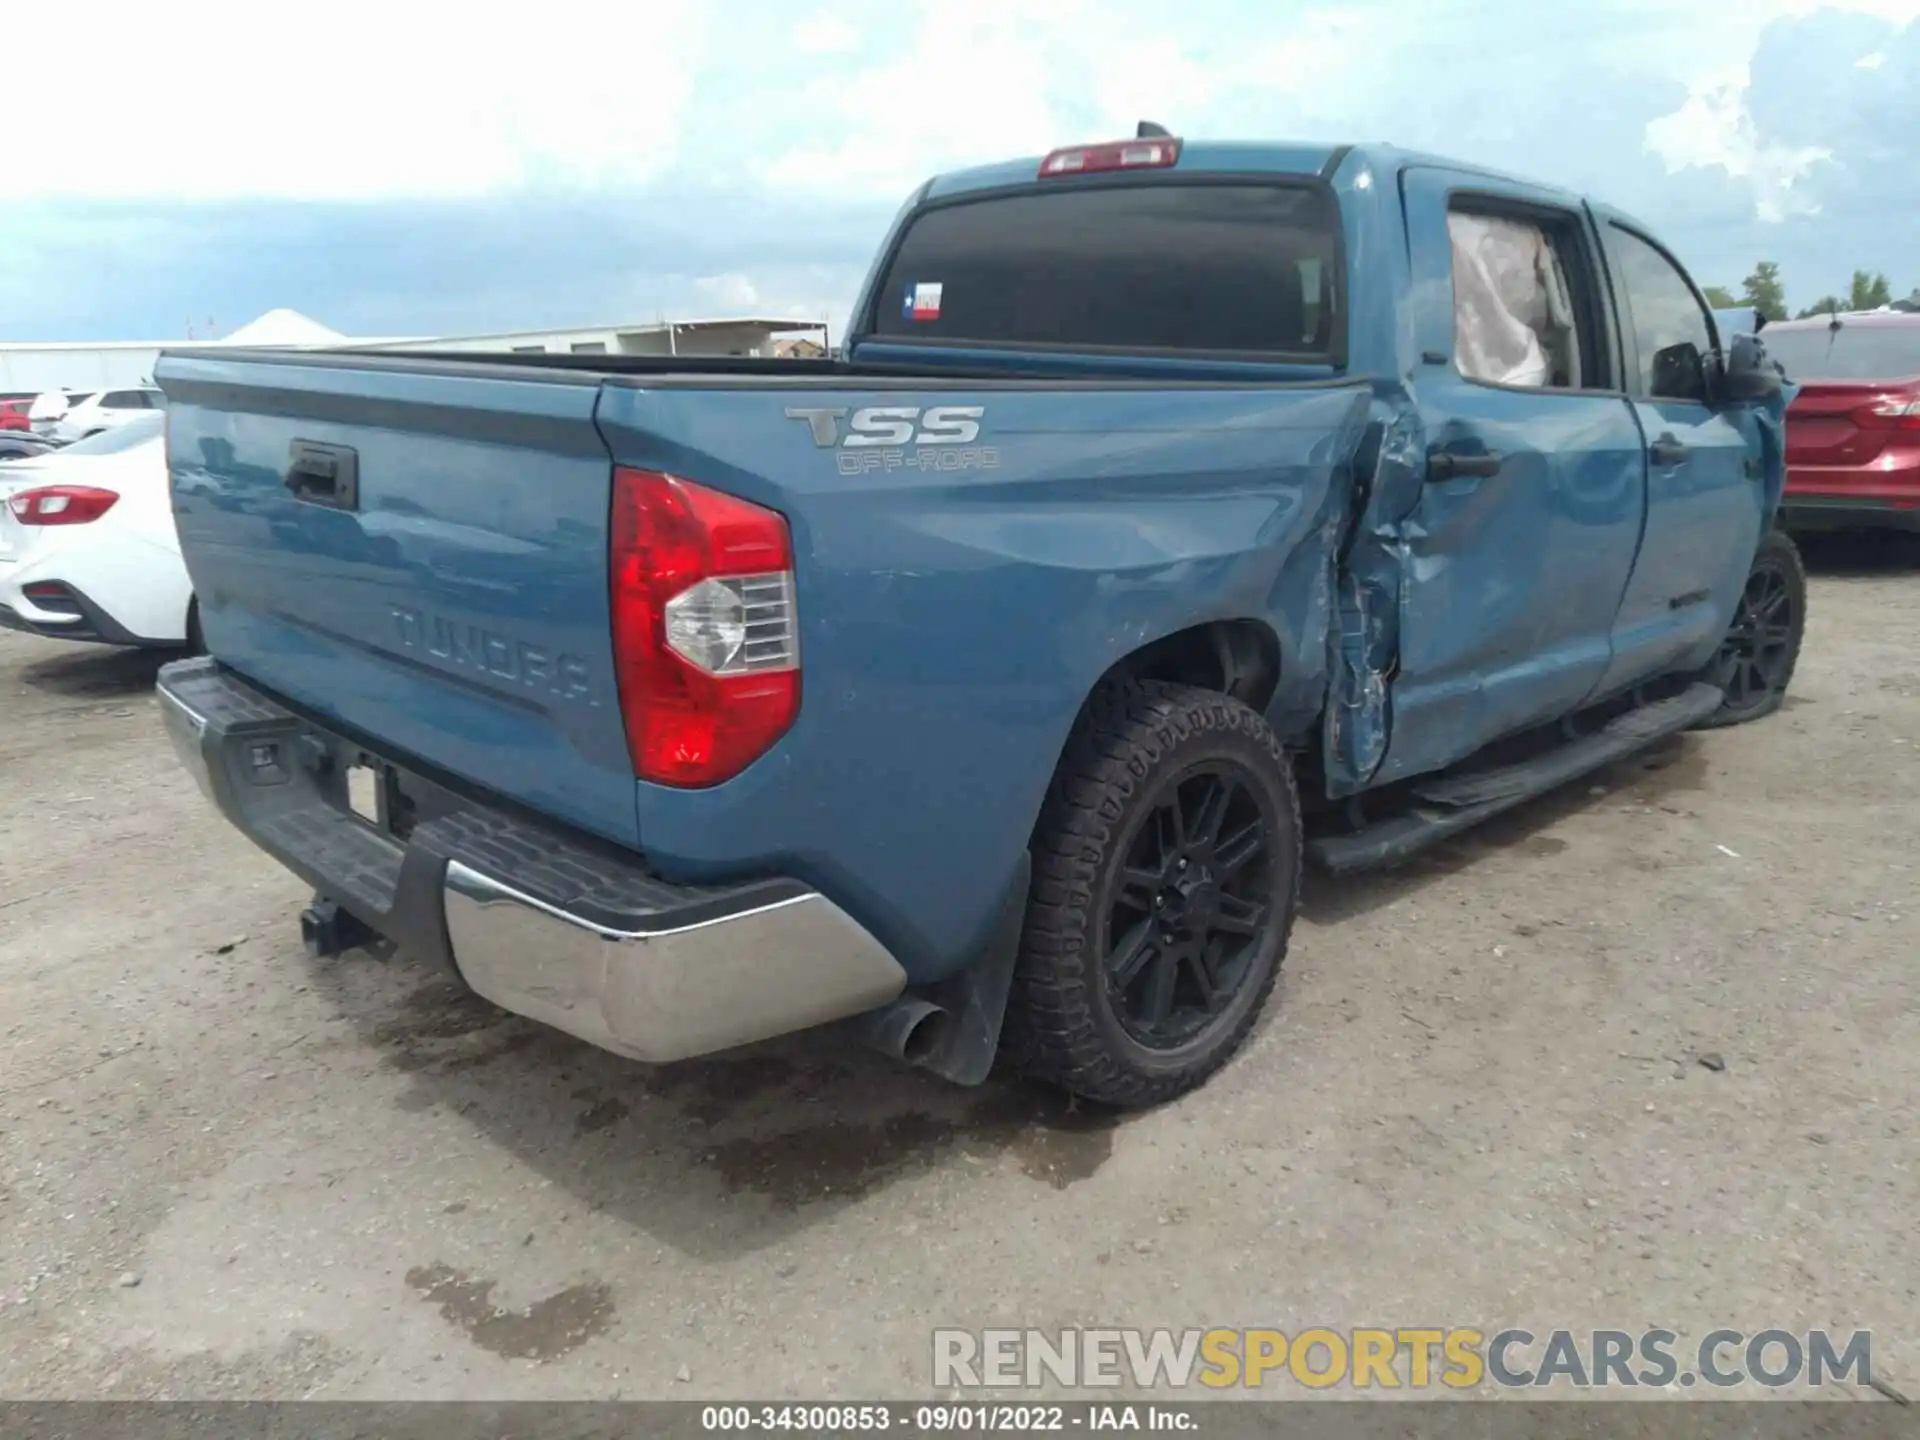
[(456, 609)]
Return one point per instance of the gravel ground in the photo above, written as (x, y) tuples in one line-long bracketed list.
[(229, 1171)]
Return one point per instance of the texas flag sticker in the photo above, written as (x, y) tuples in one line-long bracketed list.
[(922, 302)]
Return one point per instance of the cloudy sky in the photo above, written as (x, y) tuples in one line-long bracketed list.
[(408, 168)]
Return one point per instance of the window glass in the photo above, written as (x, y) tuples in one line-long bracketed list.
[(1873, 350), (1665, 315), (1148, 266), (1513, 312)]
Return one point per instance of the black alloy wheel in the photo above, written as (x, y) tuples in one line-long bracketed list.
[(1185, 913), (1757, 655), (1166, 866)]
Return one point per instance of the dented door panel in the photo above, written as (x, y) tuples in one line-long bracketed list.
[(1475, 605)]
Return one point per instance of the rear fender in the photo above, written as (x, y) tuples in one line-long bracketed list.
[(954, 622)]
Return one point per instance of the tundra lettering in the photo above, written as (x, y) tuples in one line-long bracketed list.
[(469, 647)]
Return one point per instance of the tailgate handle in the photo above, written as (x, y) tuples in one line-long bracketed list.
[(324, 474), (1668, 451)]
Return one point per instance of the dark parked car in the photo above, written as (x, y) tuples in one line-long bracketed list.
[(1853, 431), (17, 444)]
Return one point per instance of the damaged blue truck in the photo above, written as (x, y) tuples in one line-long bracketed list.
[(1173, 513)]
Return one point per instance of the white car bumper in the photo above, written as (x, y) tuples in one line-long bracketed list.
[(79, 583)]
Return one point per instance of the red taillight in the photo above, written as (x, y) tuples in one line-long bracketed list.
[(1115, 155), (61, 505), (1892, 413), (705, 636)]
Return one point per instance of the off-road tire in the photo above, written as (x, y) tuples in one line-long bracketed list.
[(1778, 555), (1130, 739)]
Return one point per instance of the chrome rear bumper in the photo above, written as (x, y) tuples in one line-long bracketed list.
[(671, 993), (548, 925)]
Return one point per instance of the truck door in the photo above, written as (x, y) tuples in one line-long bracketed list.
[(1707, 493), (1521, 539)]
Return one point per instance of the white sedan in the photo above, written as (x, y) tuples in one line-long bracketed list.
[(88, 549), (106, 410)]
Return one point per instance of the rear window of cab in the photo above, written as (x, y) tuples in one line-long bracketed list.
[(1201, 268)]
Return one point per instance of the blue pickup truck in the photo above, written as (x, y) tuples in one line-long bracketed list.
[(1174, 512)]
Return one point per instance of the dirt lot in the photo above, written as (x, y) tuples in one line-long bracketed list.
[(229, 1171)]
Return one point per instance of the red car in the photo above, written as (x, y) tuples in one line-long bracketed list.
[(1853, 432), (13, 415)]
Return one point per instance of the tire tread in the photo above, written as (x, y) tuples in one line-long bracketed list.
[(1126, 732), (1788, 553)]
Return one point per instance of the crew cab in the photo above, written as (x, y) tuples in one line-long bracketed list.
[(1174, 512)]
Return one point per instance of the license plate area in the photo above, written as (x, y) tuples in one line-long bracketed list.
[(382, 795), (367, 793)]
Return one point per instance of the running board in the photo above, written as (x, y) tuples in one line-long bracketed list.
[(1445, 805)]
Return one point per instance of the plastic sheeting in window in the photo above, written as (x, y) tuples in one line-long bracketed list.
[(1513, 317)]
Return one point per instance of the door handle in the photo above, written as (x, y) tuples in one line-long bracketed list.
[(1445, 465), (326, 475), (1667, 451)]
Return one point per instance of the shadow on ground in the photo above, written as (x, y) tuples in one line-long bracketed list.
[(737, 1153), (1860, 552), (96, 672), (1669, 769), (715, 1157)]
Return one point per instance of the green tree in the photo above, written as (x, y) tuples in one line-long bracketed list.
[(1720, 298), (1869, 292), (1763, 290), (1825, 305)]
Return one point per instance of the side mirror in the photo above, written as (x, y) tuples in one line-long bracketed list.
[(1680, 372), (1748, 375)]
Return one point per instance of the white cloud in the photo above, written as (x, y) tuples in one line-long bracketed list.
[(357, 99), (825, 34), (984, 80), (971, 86), (734, 292), (1713, 126)]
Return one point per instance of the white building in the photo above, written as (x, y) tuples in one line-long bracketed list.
[(27, 368), (739, 336)]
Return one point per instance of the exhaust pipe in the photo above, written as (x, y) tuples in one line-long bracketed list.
[(908, 1029)]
